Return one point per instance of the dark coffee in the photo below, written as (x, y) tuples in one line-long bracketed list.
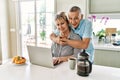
[(82, 70), (84, 66)]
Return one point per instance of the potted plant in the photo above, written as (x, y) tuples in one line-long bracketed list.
[(101, 34), (118, 32), (43, 35)]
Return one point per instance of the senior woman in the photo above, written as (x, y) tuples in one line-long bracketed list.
[(61, 53)]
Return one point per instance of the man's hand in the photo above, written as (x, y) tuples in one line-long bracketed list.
[(57, 39), (63, 41)]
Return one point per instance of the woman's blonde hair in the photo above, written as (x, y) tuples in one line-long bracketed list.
[(61, 15)]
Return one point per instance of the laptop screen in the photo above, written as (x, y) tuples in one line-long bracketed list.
[(41, 56)]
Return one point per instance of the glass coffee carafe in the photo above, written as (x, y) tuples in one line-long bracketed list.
[(84, 66)]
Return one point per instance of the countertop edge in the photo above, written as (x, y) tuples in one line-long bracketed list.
[(107, 47)]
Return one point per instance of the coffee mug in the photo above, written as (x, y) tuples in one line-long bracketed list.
[(72, 63)]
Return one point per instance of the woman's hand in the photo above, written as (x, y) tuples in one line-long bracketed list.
[(63, 59), (57, 60)]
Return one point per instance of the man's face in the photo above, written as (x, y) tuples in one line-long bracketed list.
[(74, 18)]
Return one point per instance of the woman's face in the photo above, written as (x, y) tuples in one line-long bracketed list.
[(62, 25)]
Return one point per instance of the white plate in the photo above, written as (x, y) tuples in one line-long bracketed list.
[(18, 64)]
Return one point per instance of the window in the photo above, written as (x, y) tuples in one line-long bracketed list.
[(103, 24), (103, 21), (36, 22)]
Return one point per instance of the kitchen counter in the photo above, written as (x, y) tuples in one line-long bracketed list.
[(9, 71), (107, 55), (107, 47)]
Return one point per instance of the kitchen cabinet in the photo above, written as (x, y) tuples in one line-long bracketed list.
[(104, 6), (107, 57)]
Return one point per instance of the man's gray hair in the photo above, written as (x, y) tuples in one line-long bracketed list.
[(74, 9)]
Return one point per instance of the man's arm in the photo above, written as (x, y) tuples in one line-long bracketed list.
[(87, 35), (55, 38), (82, 44)]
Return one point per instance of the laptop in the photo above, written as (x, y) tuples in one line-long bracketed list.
[(40, 56)]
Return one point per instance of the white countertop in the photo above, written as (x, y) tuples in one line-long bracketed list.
[(107, 47), (10, 71)]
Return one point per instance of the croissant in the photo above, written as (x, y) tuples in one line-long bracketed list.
[(18, 60)]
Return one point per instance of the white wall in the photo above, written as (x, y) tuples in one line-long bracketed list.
[(0, 47), (13, 28), (4, 46), (65, 5)]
